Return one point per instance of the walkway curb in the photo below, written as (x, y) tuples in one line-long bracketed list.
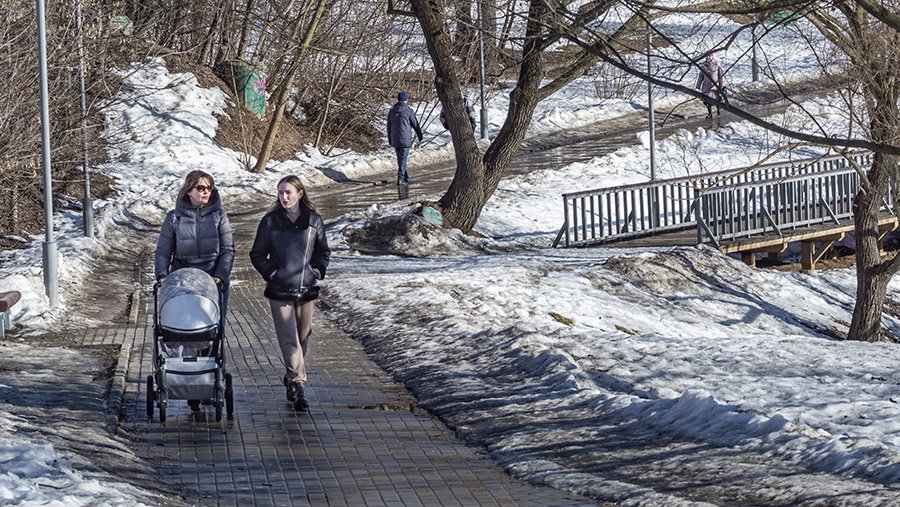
[(117, 389)]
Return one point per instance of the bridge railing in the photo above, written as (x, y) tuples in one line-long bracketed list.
[(615, 213), (776, 205)]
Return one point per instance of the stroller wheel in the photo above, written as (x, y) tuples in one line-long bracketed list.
[(229, 395), (151, 396), (218, 400), (162, 413)]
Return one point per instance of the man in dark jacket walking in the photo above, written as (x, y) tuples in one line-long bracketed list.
[(401, 123)]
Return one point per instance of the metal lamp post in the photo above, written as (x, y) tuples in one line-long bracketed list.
[(484, 117), (650, 108), (51, 282), (654, 204), (86, 206)]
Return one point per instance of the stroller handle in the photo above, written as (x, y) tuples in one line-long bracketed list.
[(220, 284)]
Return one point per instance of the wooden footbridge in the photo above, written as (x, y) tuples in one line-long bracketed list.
[(760, 209)]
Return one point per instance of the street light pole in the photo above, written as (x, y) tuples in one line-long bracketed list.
[(753, 63), (654, 204), (86, 206), (650, 107), (51, 282), (484, 117)]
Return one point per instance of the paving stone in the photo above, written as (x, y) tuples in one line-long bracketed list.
[(362, 441)]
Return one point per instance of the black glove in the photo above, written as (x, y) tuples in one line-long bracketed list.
[(723, 94)]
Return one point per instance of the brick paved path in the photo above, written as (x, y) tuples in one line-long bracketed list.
[(362, 442)]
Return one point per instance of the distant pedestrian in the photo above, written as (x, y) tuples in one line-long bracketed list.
[(401, 124), (469, 109), (196, 234), (711, 82), (291, 253)]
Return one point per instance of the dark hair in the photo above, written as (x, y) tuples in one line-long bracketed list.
[(298, 184), (190, 181)]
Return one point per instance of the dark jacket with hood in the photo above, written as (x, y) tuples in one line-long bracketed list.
[(400, 126), (291, 256), (195, 237)]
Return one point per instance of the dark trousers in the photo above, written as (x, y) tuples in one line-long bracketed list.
[(402, 156)]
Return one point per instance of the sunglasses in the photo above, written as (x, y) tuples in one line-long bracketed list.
[(203, 188)]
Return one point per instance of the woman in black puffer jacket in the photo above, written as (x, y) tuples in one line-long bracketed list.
[(291, 253), (196, 234)]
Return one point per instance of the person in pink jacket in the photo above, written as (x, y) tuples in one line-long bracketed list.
[(711, 82)]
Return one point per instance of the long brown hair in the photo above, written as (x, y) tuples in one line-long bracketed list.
[(191, 180), (298, 184)]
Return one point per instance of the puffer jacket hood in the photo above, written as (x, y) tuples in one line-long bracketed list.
[(197, 237)]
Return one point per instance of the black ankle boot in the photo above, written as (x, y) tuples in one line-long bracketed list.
[(300, 403)]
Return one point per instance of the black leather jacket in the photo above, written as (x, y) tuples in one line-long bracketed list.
[(291, 256)]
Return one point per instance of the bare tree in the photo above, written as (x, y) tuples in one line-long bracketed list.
[(866, 36), (477, 175), (865, 32), (872, 47), (21, 186), (281, 97)]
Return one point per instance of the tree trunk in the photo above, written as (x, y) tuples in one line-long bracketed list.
[(491, 54), (327, 107), (206, 47), (871, 277), (246, 26), (281, 99), (477, 177), (878, 76), (463, 202), (226, 33)]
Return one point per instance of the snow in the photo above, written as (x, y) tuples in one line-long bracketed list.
[(504, 337)]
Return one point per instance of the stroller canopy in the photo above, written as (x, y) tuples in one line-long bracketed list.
[(188, 302)]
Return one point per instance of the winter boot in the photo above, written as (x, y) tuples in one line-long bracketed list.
[(300, 402)]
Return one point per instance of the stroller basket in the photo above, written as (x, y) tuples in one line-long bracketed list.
[(190, 378)]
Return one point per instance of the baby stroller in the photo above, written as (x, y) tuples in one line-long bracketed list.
[(186, 316)]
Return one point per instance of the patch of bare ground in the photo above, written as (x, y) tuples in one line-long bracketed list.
[(68, 194), (242, 130), (239, 128), (838, 257)]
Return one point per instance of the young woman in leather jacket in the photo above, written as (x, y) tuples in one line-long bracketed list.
[(291, 253)]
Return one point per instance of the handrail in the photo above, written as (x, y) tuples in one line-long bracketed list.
[(616, 213), (777, 205)]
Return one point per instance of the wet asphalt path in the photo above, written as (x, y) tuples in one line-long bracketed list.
[(554, 150)]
